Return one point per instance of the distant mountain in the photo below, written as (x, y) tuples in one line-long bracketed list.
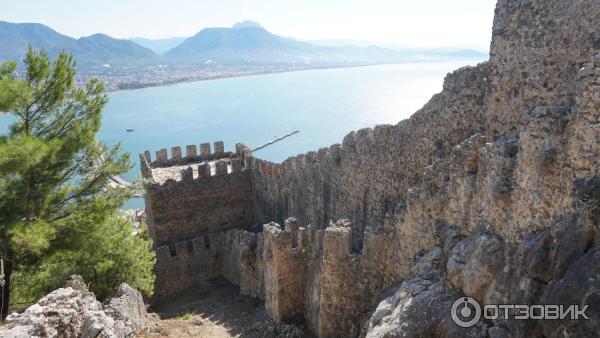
[(94, 50), (14, 39), (159, 46), (103, 49), (246, 24), (246, 42), (249, 43)]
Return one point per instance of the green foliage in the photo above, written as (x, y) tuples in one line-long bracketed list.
[(10, 89), (105, 254), (57, 214)]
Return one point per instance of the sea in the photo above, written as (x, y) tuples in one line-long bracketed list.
[(324, 105)]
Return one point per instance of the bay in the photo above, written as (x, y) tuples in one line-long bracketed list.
[(324, 105)]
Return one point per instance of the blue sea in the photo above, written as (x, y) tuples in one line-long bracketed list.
[(323, 104)]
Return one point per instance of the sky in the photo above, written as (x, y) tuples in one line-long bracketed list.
[(407, 23)]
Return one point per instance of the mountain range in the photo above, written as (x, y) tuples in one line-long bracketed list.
[(97, 49), (245, 43)]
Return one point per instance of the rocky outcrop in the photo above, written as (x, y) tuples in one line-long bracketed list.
[(555, 266), (128, 310), (419, 308), (73, 311)]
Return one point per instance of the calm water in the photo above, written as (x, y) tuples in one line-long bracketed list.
[(323, 104)]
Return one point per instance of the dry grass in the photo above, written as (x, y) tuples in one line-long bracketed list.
[(214, 310)]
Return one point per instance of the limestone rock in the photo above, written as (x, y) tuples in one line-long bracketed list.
[(419, 308), (128, 310), (580, 286), (73, 312), (475, 262)]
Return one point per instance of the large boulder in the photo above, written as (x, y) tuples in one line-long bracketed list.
[(420, 308), (65, 312), (128, 310), (580, 286), (475, 263), (73, 312)]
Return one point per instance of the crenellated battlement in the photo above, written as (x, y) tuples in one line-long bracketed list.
[(196, 175), (193, 154), (290, 266), (198, 246), (332, 242), (363, 140), (183, 264), (194, 167), (197, 194)]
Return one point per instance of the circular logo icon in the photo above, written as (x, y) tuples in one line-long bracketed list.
[(466, 312)]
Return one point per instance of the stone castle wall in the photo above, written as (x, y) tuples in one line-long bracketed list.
[(471, 156), (486, 173), (366, 178), (191, 203), (199, 259), (312, 273)]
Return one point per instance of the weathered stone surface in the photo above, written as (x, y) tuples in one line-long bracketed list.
[(74, 312), (128, 310), (198, 259), (419, 308), (475, 263), (283, 274), (579, 286)]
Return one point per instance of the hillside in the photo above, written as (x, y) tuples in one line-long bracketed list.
[(94, 50), (14, 39)]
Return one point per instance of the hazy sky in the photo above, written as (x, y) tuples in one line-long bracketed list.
[(411, 23)]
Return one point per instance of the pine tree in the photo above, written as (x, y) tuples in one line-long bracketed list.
[(58, 216)]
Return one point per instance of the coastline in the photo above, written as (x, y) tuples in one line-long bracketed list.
[(258, 73), (222, 77)]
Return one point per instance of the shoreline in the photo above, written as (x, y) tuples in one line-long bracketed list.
[(223, 77)]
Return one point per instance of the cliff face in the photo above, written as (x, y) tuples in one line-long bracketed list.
[(491, 190)]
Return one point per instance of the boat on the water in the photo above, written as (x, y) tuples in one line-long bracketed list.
[(129, 130)]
